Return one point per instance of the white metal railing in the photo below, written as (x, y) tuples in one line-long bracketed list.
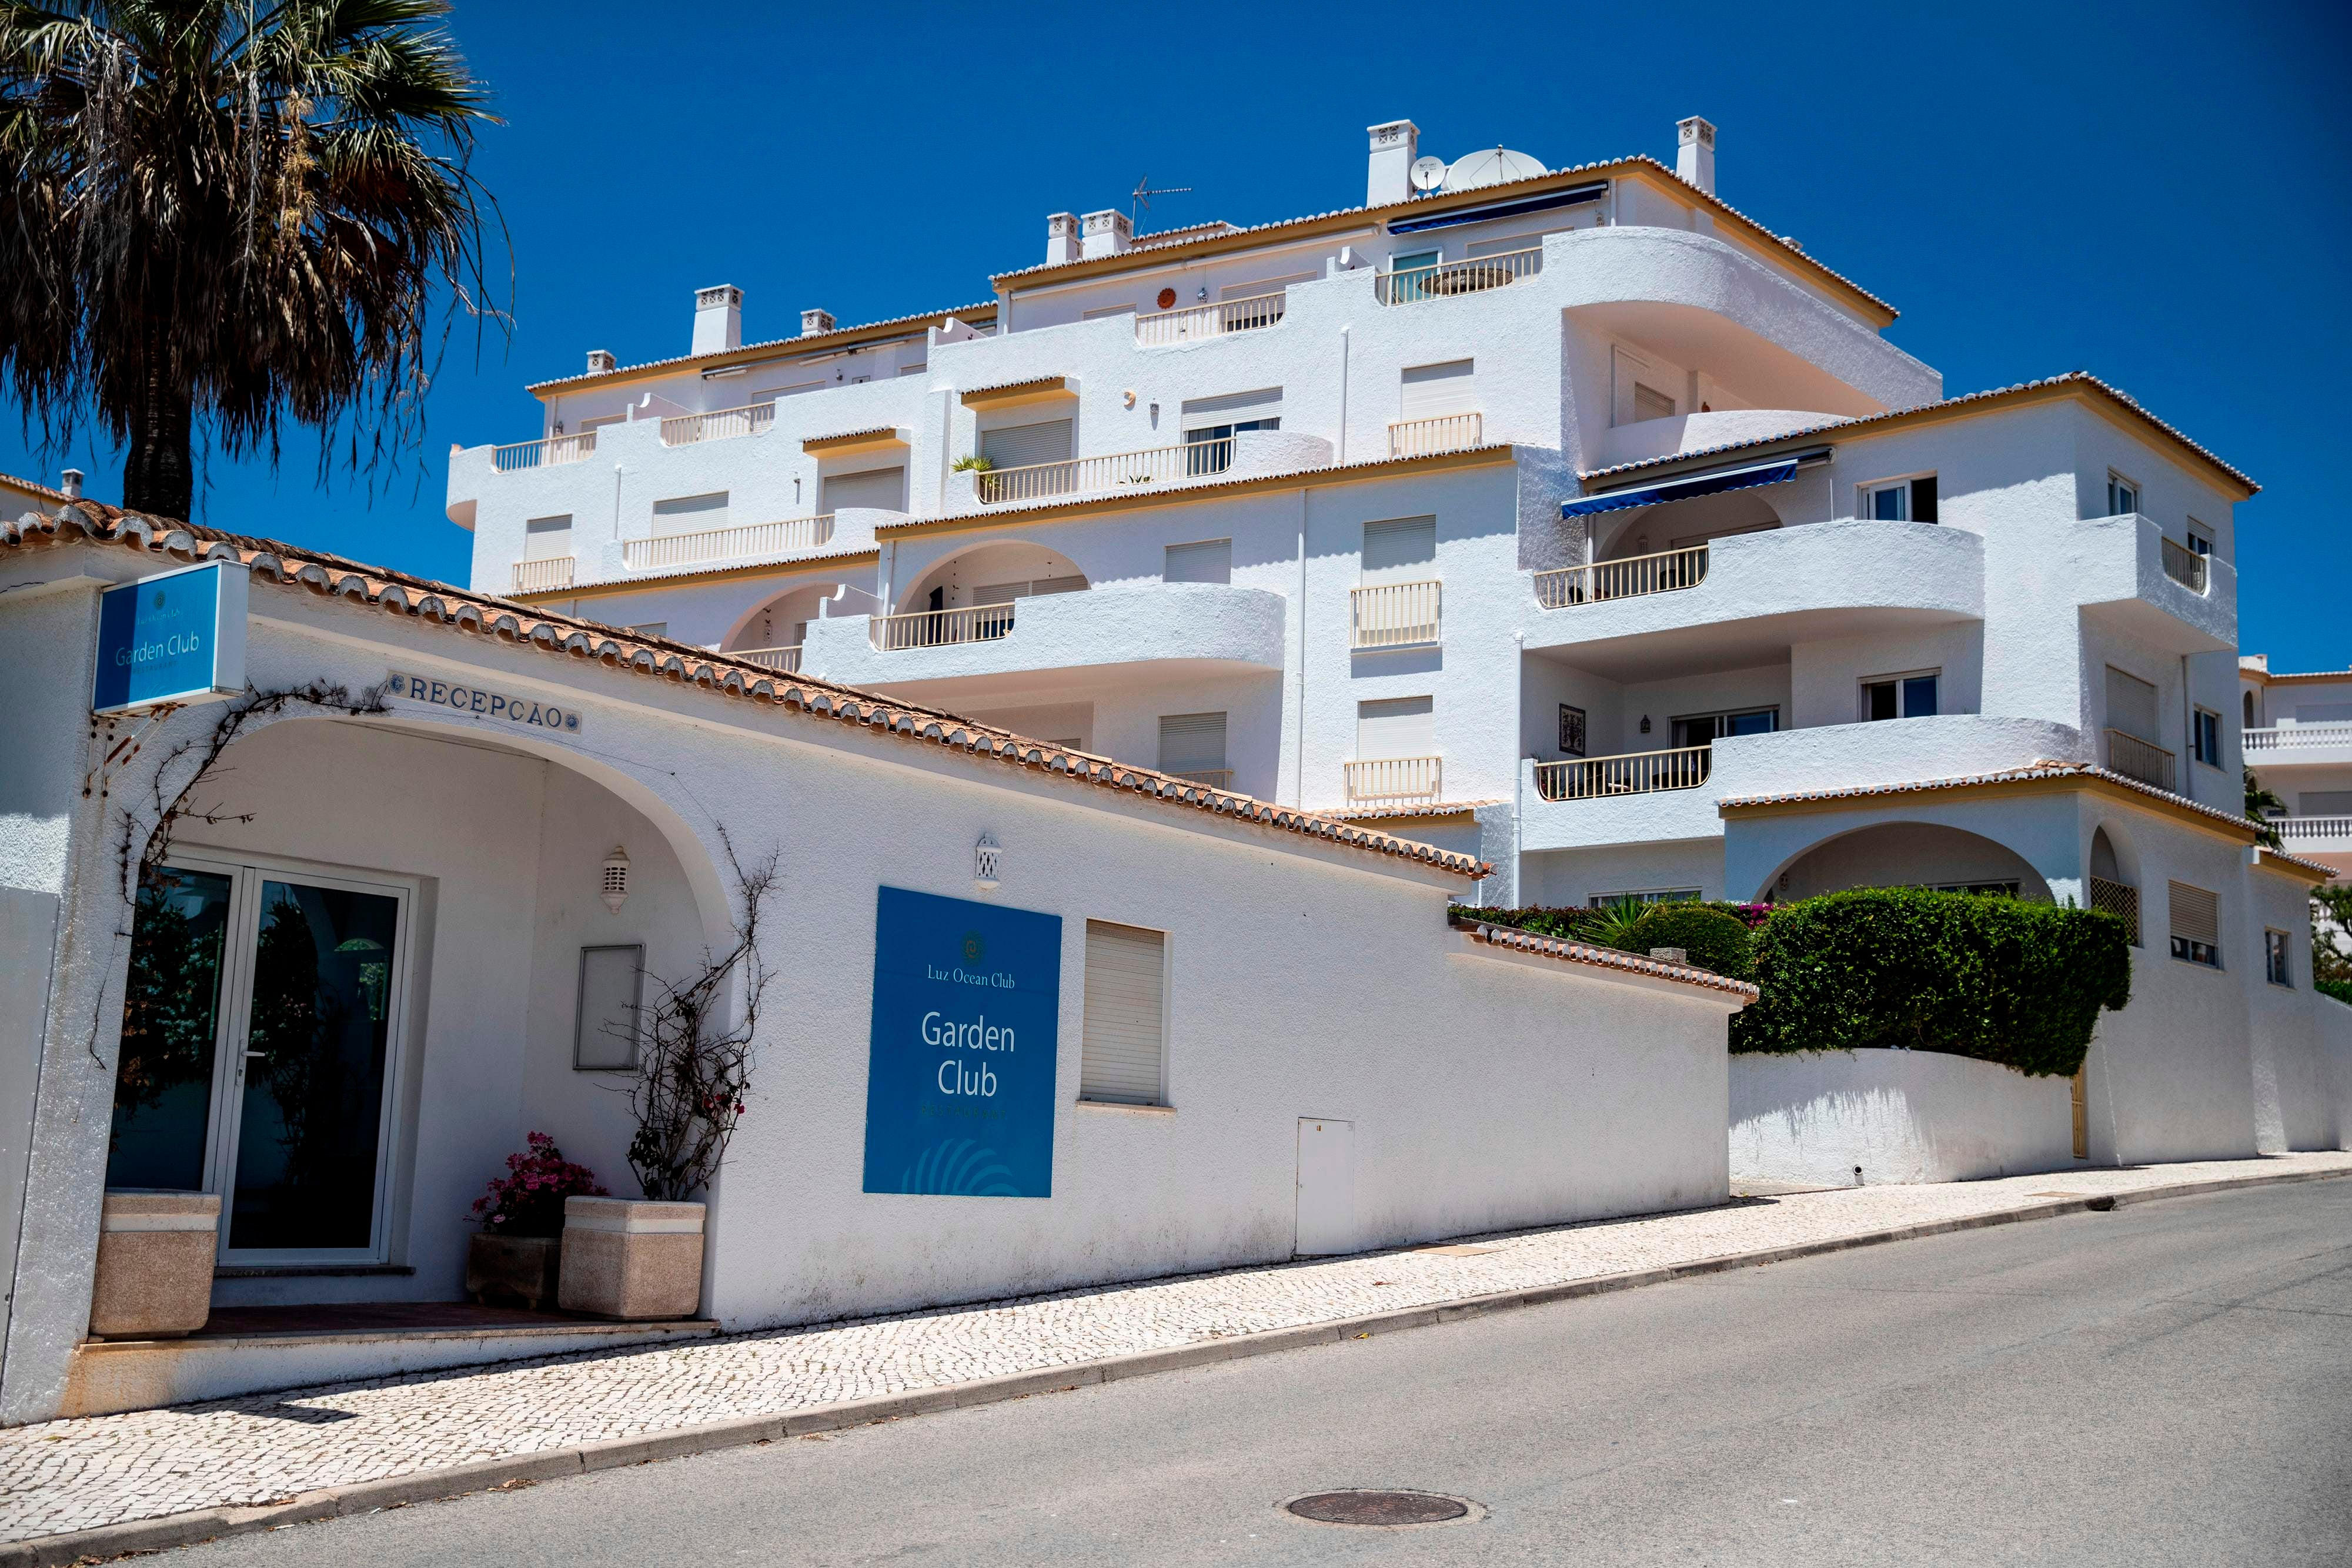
[(2185, 567), (2119, 898), (1394, 779), (788, 660), (2136, 758), (1393, 615), (1630, 577), (2288, 735), (940, 628), (2313, 827), (1208, 777), (719, 424), (544, 573), (1117, 470), (1443, 432), (554, 452), (1476, 275), (1195, 322), (665, 550), (1634, 773)]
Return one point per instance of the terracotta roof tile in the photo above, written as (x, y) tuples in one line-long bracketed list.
[(456, 608), (48, 491), (780, 564), (1424, 809), (1517, 941), (813, 341), (2030, 771)]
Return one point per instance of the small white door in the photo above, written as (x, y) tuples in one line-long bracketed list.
[(1327, 1188)]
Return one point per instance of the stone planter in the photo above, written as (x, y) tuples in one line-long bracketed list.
[(631, 1259), (155, 1256), (513, 1268)]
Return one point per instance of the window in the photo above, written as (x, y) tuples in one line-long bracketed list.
[(1901, 696), (1400, 549), (1192, 747), (1432, 391), (690, 513), (2123, 496), (1396, 727), (2200, 538), (915, 369), (1210, 560), (2131, 705), (2246, 701), (2323, 803), (1102, 311), (1021, 445), (2274, 959), (2196, 925), (2205, 738), (1644, 896), (1706, 729), (1901, 500), (1651, 403), (604, 1028), (883, 489), (1124, 1059), (545, 538)]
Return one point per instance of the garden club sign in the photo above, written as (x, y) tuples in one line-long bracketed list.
[(959, 1078), (500, 707), (172, 638)]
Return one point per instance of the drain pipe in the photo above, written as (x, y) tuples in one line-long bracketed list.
[(2188, 732), (1298, 773)]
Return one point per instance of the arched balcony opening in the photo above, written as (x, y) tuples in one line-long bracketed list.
[(971, 597), (1906, 854)]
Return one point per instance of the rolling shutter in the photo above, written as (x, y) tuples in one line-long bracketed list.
[(1019, 445), (1400, 549), (2195, 914), (690, 513), (1232, 408), (2131, 705), (1006, 593), (1396, 727), (544, 539), (882, 489), (1431, 391), (1211, 560), (1192, 742), (1123, 1059)]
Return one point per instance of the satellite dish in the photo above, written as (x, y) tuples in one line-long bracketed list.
[(1491, 167), (1428, 174)]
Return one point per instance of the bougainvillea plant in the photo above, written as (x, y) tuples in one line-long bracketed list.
[(529, 1199)]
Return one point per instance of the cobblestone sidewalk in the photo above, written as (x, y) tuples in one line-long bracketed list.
[(73, 1475)]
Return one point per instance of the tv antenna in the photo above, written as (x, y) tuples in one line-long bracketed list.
[(1139, 199)]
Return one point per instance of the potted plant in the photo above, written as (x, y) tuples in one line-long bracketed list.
[(641, 1259), (516, 1254), (155, 1257)]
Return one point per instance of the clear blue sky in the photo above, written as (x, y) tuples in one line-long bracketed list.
[(2157, 193)]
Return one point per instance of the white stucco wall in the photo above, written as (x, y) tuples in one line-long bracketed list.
[(1899, 1115)]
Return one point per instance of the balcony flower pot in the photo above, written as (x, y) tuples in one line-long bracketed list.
[(632, 1260), (155, 1257), (513, 1268)]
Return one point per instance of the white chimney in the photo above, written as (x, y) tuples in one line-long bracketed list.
[(600, 360), (1390, 176), (1060, 238), (816, 321), (70, 483), (1694, 152), (717, 319), (1106, 233)]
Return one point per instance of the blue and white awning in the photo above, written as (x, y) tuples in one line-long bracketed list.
[(1684, 487)]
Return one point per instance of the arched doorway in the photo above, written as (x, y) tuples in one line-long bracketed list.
[(1906, 854)]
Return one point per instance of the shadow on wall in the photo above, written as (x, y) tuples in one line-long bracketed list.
[(1901, 1115)]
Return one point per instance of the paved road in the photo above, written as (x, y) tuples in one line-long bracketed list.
[(2169, 1383)]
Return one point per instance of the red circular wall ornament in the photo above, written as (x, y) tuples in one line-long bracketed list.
[(1167, 300)]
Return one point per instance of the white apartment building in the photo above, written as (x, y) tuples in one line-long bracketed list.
[(1567, 518), (2298, 740)]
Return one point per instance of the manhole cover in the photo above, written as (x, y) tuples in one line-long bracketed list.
[(1379, 1508)]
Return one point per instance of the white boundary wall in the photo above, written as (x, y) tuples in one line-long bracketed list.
[(1901, 1115)]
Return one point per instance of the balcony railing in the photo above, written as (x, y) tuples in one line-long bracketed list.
[(719, 424), (1207, 778), (941, 628), (2185, 567), (1393, 615), (1635, 773), (787, 660), (2119, 898), (2294, 827), (2136, 758), (1630, 578), (554, 452), (540, 576), (1474, 275), (2288, 737), (1195, 322), (1445, 433), (666, 552), (1119, 470), (1381, 779)]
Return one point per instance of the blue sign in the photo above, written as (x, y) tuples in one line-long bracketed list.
[(959, 1084), (176, 637)]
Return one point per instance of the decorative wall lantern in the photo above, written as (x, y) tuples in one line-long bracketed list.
[(985, 858), (615, 885), (1645, 723)]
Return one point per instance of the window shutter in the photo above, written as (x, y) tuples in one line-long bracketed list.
[(1211, 560), (1192, 742), (2325, 802), (2131, 705), (1401, 548), (1232, 408), (690, 513), (2195, 914), (1396, 727), (1651, 403), (884, 488), (1430, 392), (1018, 446), (545, 538), (999, 593), (1124, 1059), (1058, 585), (1923, 499)]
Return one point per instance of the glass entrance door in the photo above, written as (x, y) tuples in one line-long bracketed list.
[(260, 1029)]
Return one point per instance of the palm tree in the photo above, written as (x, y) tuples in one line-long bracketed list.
[(219, 213)]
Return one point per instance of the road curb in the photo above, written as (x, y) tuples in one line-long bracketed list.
[(455, 1480)]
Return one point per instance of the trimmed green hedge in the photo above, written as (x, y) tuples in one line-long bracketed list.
[(1713, 939), (2001, 979)]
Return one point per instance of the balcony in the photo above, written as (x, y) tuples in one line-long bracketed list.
[(1034, 482), (719, 424), (2306, 835), (669, 552), (2187, 566), (1633, 773), (544, 575), (2125, 572), (1630, 577), (1196, 323), (1394, 615), (1426, 437), (2136, 758), (2299, 746), (1455, 278), (940, 628), (1394, 780), (551, 452), (787, 661)]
